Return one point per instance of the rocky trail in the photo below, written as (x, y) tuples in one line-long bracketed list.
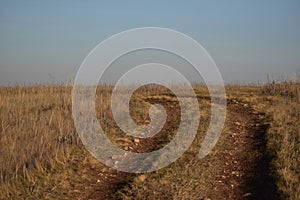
[(242, 166)]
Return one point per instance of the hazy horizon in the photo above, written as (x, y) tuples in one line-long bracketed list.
[(46, 42)]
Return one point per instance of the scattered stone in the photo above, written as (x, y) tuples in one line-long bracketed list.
[(237, 123), (261, 117), (233, 135), (136, 140), (234, 173), (247, 194), (142, 178)]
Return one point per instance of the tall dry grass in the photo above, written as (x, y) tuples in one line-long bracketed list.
[(36, 136), (283, 104), (39, 143), (287, 89)]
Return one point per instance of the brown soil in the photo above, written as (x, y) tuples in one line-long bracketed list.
[(106, 186), (246, 170), (244, 163)]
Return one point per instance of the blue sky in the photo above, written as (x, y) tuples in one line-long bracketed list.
[(46, 41)]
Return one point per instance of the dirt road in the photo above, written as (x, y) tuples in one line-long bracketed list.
[(239, 167)]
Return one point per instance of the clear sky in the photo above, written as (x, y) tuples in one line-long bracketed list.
[(46, 41)]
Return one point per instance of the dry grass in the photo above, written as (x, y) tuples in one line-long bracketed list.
[(39, 147), (288, 89), (41, 153), (36, 137), (43, 158), (282, 103)]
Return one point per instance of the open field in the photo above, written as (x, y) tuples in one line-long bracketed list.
[(256, 157)]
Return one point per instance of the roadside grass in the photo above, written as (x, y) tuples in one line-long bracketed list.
[(39, 147), (282, 102)]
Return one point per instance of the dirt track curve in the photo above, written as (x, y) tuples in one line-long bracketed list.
[(242, 159)]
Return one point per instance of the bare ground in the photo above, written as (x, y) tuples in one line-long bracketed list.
[(242, 166)]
